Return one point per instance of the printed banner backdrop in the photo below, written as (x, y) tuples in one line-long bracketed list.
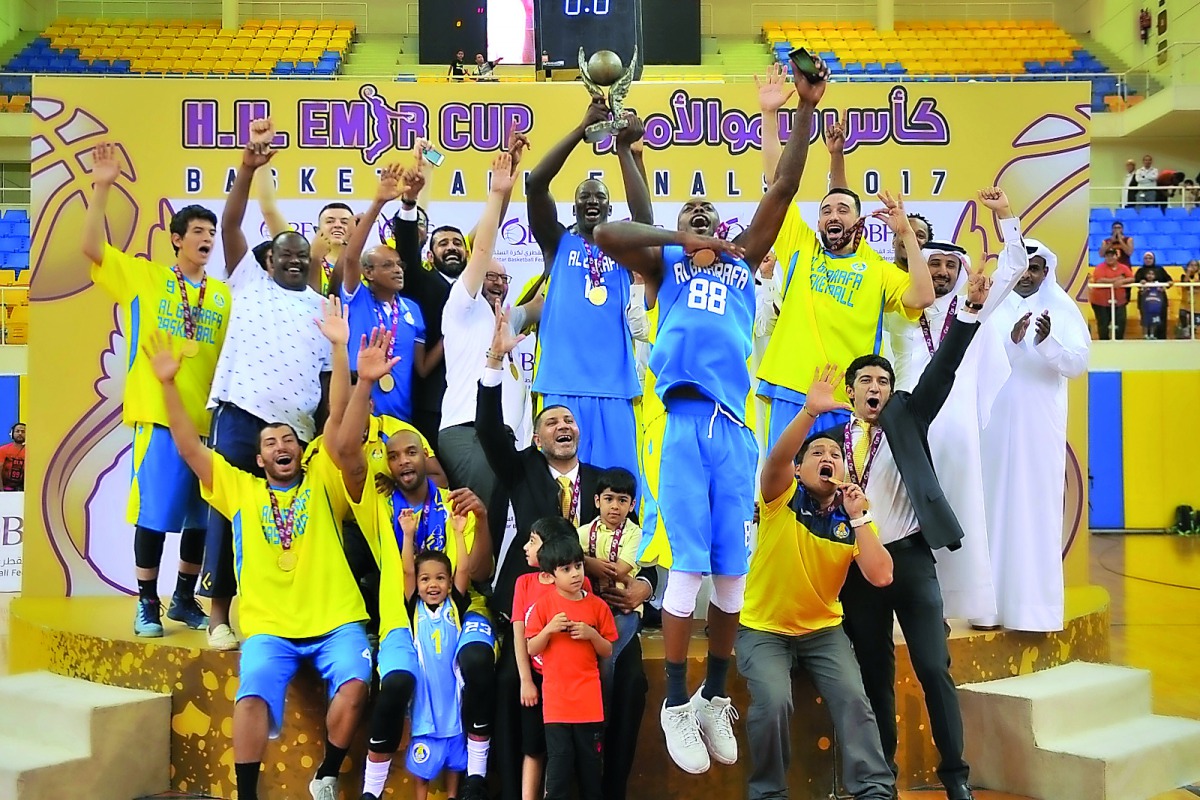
[(12, 531), (936, 143)]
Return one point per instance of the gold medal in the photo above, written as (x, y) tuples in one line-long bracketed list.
[(703, 258), (387, 382), (513, 369), (190, 348), (597, 295), (287, 560)]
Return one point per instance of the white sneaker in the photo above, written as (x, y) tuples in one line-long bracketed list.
[(683, 738), (715, 718), (222, 637), (324, 788)]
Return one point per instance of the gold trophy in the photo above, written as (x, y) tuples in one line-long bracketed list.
[(602, 70)]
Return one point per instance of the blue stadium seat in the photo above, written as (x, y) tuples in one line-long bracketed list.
[(325, 69), (1035, 67), (1176, 258), (1158, 242), (1055, 66), (893, 68), (1099, 227), (305, 68), (7, 229), (121, 66), (1176, 212), (99, 67), (285, 68), (1168, 226), (1104, 214), (873, 68), (1189, 242)]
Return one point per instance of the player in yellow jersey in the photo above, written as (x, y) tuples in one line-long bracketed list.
[(378, 513), (181, 301), (835, 288), (299, 601)]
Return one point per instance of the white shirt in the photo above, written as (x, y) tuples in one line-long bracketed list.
[(890, 506), (1146, 177), (467, 327), (274, 354)]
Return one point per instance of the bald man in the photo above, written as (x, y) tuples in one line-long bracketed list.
[(377, 303)]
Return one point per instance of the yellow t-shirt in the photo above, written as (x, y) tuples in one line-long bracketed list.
[(320, 594), (376, 448), (832, 311), (149, 298), (374, 514), (797, 568), (627, 548)]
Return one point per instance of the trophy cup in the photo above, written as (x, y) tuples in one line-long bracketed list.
[(604, 69)]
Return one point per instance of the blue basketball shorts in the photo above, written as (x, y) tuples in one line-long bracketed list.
[(164, 493)]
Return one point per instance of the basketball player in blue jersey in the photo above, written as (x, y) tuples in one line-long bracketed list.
[(585, 360), (700, 447)]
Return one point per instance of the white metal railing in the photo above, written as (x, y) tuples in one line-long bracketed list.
[(349, 10), (14, 196), (940, 10), (1187, 319), (12, 297), (1107, 196)]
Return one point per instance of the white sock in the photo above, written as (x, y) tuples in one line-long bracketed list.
[(376, 776), (477, 756)]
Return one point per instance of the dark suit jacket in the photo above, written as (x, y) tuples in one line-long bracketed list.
[(905, 421), (522, 478), (429, 289)]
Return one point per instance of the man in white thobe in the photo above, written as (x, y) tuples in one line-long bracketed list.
[(954, 437), (1025, 446)]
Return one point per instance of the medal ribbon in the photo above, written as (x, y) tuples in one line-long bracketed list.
[(876, 440), (394, 308), (284, 520), (945, 325), (614, 547), (425, 538), (189, 322), (573, 508), (592, 261)]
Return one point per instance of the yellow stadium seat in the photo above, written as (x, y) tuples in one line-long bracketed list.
[(252, 25), (290, 23), (346, 25), (308, 24), (263, 67), (93, 30), (973, 67), (222, 67), (141, 64), (270, 24), (326, 25)]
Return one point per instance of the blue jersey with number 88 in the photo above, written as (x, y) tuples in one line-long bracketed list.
[(705, 329)]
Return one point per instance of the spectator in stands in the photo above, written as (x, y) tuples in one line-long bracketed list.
[(164, 497), (1146, 179), (458, 67), (1109, 304), (1121, 243), (271, 332), (1153, 282), (469, 320), (596, 378), (1130, 193), (12, 460), (1187, 316), (484, 69), (1189, 197)]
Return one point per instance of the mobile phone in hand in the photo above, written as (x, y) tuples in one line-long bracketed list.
[(434, 157), (804, 64)]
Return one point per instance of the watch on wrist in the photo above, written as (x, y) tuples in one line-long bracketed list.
[(975, 307), (863, 520)]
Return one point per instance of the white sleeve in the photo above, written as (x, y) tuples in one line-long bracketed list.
[(635, 314), (491, 377), (1068, 359), (407, 214), (767, 299), (1011, 265), (247, 273)]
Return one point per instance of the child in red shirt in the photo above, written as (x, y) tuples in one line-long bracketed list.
[(571, 629), (529, 589)]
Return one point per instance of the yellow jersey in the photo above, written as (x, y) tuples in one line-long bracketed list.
[(832, 310), (319, 594), (377, 518), (149, 297), (805, 551)]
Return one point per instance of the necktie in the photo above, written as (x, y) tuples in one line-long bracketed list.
[(565, 493), (862, 447)]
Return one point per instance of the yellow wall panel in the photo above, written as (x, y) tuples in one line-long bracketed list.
[(1159, 468)]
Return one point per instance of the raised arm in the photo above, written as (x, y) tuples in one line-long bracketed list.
[(257, 154), (1013, 259), (637, 191), (336, 327), (497, 443), (484, 244), (540, 207), (462, 569), (391, 186), (373, 364), (760, 236), (773, 94), (105, 169), (165, 363), (638, 247), (919, 293), (517, 143), (408, 551), (779, 468), (835, 140), (264, 184)]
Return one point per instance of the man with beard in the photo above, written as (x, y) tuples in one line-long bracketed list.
[(299, 601), (964, 574), (836, 290), (469, 319), (377, 514), (164, 495), (1026, 445), (548, 479), (271, 333), (430, 288), (379, 304), (887, 454), (699, 445), (585, 358)]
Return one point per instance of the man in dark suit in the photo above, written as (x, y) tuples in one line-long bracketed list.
[(887, 454), (547, 479)]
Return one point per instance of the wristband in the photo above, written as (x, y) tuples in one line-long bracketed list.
[(863, 520), (492, 355), (404, 201), (973, 307), (810, 413)]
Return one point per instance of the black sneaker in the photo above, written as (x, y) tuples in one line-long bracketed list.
[(188, 611), (474, 788)]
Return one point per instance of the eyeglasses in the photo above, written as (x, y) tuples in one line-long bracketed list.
[(497, 276)]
